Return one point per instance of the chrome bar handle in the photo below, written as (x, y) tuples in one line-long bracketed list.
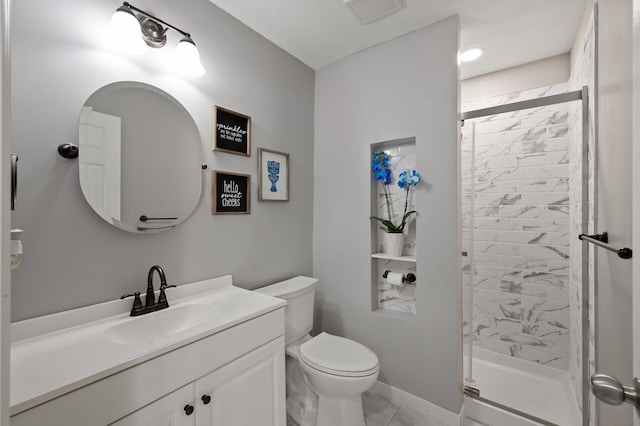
[(14, 180), (602, 240), (609, 390)]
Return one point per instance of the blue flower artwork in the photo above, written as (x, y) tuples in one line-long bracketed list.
[(273, 169)]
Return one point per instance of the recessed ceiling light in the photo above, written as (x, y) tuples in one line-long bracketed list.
[(471, 54)]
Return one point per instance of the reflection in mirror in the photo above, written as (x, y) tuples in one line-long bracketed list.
[(140, 157)]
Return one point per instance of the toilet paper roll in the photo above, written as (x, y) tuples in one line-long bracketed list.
[(395, 278)]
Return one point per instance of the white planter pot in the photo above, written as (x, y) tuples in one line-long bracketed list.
[(392, 243)]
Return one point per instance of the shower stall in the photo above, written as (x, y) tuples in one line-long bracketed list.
[(526, 193)]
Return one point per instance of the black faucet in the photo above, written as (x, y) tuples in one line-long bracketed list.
[(150, 302), (151, 297)]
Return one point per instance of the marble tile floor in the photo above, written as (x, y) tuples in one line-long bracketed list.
[(381, 411)]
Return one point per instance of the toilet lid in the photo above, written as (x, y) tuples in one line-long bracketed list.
[(338, 356)]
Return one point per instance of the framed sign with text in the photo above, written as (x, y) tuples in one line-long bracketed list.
[(231, 131), (230, 193)]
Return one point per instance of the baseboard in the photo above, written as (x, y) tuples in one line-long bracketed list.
[(400, 397)]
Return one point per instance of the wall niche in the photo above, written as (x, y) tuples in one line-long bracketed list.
[(388, 297)]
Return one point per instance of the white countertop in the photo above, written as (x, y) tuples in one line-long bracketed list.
[(58, 353)]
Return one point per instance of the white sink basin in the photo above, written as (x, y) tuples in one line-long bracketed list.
[(160, 324), (62, 352)]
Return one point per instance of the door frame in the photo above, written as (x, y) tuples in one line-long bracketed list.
[(635, 191), (5, 212)]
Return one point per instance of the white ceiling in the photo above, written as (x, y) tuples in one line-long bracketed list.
[(319, 32)]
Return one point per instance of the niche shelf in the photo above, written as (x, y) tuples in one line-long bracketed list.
[(394, 301), (398, 258)]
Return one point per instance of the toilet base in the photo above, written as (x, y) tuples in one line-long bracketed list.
[(340, 412), (302, 401)]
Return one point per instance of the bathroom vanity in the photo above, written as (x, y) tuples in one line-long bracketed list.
[(214, 357)]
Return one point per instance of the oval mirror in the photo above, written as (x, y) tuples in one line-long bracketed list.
[(140, 157)]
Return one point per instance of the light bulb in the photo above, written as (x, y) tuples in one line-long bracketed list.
[(188, 58), (125, 32)]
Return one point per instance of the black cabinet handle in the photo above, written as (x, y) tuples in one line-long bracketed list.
[(188, 409), (206, 399)]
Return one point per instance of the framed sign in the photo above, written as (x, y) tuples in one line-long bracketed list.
[(231, 131), (273, 175), (230, 193)]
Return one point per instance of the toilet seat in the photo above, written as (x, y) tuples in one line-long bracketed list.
[(338, 356)]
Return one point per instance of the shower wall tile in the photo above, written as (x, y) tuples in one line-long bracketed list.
[(546, 252), (549, 225), (515, 192), (526, 263), (546, 172), (534, 289)]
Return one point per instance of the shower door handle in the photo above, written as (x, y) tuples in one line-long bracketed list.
[(609, 390)]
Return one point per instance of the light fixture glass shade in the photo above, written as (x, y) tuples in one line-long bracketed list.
[(188, 58), (125, 32)]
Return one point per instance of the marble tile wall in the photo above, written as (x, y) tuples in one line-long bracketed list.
[(392, 297), (582, 74), (515, 207)]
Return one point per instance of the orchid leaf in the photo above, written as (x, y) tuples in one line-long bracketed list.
[(406, 216), (390, 225)]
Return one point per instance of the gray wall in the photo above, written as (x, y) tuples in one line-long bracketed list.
[(614, 352), (405, 87), (544, 72), (72, 258)]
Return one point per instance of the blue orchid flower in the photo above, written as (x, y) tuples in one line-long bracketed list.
[(380, 175), (387, 179), (380, 168), (406, 179), (402, 179), (414, 179)]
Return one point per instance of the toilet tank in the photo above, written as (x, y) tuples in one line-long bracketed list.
[(298, 314)]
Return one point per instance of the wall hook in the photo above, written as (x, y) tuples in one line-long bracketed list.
[(68, 151)]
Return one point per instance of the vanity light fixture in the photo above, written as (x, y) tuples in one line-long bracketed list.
[(134, 30), (471, 54)]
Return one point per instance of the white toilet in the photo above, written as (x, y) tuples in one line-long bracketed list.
[(338, 370)]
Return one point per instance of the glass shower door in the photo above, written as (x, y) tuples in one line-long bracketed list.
[(521, 215)]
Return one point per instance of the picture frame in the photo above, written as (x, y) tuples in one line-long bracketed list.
[(273, 175), (231, 131), (230, 193)]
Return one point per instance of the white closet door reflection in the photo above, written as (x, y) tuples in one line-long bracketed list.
[(100, 162)]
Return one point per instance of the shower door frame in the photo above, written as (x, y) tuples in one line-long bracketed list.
[(576, 95)]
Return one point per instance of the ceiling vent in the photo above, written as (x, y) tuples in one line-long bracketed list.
[(371, 10)]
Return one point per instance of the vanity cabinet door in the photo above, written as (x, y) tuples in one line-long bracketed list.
[(175, 409), (248, 391)]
